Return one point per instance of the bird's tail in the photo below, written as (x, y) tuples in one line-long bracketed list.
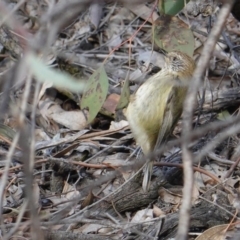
[(147, 176)]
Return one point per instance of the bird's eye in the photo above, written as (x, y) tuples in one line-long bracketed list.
[(174, 59)]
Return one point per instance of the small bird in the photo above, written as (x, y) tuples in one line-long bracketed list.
[(157, 105)]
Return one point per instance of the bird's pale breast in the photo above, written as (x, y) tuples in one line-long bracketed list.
[(146, 110)]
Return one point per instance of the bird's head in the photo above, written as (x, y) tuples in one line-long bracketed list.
[(180, 64)]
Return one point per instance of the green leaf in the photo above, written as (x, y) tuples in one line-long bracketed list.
[(44, 73), (171, 34), (95, 93), (223, 115), (171, 7), (125, 95)]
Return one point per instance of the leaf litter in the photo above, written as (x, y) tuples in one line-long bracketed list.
[(84, 157)]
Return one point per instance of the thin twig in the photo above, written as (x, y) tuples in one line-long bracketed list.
[(184, 217)]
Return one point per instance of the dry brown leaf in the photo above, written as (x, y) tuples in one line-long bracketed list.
[(153, 57), (118, 125), (88, 147), (45, 86), (40, 135), (57, 141), (144, 12), (116, 26), (137, 75), (219, 171), (111, 103), (142, 215), (195, 194), (157, 212), (69, 193), (81, 27), (168, 197), (90, 228), (214, 233), (118, 163), (198, 180), (88, 200), (95, 12), (115, 39), (16, 193), (74, 120)]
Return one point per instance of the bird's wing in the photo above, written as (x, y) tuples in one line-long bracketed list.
[(167, 122)]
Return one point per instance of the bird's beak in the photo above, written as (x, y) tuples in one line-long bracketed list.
[(163, 52)]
